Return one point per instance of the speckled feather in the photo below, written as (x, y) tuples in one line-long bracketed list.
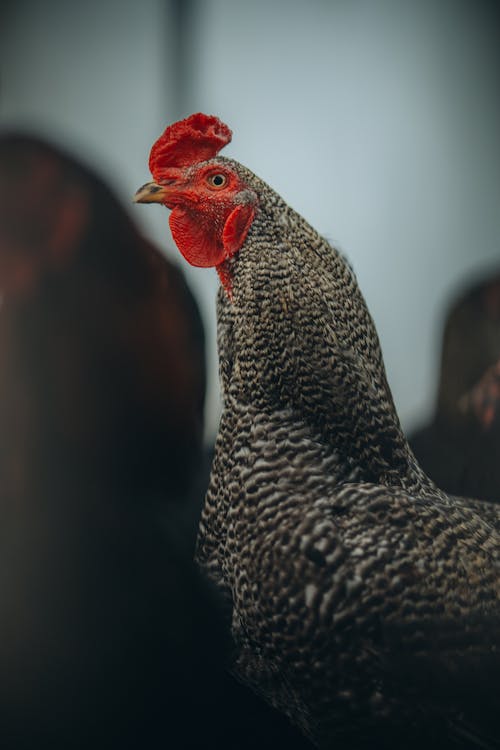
[(365, 602)]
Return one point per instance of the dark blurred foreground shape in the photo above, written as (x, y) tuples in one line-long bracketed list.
[(108, 636), (460, 447), (101, 344)]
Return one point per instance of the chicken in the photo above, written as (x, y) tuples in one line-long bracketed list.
[(459, 446), (364, 601)]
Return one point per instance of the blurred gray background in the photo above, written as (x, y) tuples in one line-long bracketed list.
[(378, 120)]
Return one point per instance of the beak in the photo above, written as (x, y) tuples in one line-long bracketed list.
[(151, 192)]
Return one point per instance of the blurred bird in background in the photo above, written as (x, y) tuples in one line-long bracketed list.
[(101, 343), (101, 413), (460, 447)]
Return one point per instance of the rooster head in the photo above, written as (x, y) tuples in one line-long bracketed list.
[(212, 207)]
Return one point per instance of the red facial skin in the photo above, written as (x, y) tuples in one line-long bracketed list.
[(209, 220)]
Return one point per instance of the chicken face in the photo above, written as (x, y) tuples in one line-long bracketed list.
[(212, 209)]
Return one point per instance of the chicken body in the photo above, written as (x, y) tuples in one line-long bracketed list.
[(342, 560), (364, 601)]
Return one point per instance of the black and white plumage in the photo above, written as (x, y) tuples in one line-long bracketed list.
[(342, 561), (364, 601)]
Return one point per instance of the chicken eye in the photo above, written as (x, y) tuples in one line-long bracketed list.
[(217, 180)]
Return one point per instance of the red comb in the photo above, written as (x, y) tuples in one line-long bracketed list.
[(197, 138)]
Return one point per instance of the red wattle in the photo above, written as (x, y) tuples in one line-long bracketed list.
[(195, 240), (200, 242)]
